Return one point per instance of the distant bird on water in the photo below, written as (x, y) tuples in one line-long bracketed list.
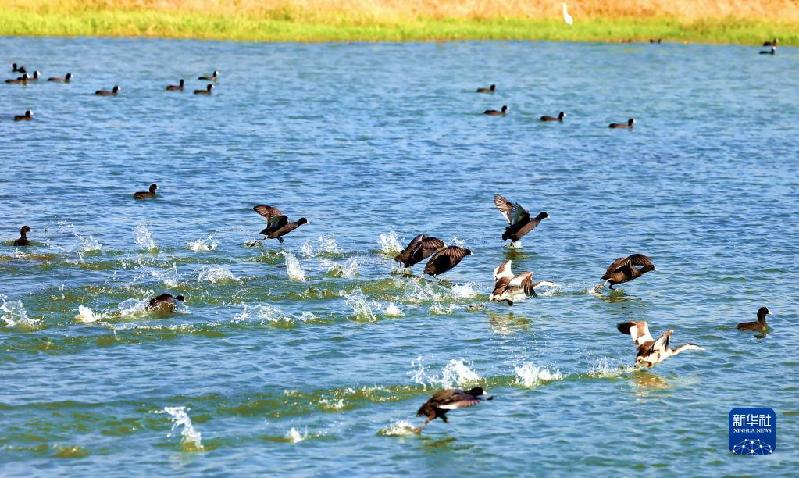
[(770, 43), (26, 117), (628, 125), (420, 248), (149, 194), (772, 51), (445, 259), (490, 89), (178, 87), (23, 237), (212, 77), (519, 221), (206, 91), (113, 92), (61, 79), (651, 352), (566, 17), (502, 111), (509, 287), (759, 325), (277, 223), (625, 269), (449, 399), (20, 80), (18, 69), (164, 303), (559, 117)]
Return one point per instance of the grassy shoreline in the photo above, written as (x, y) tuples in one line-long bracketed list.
[(196, 25)]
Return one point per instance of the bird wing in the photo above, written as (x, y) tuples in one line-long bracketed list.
[(617, 265), (500, 286), (460, 404), (505, 207), (445, 258), (503, 270), (525, 281), (267, 211), (519, 214), (405, 254), (639, 331), (639, 260)]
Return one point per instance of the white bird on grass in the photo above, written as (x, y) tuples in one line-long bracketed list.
[(566, 17)]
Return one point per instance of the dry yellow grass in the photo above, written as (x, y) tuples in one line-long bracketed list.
[(703, 20)]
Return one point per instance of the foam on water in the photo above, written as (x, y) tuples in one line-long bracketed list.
[(190, 438), (13, 313), (293, 268), (399, 428), (325, 245), (216, 275), (169, 277), (464, 291), (607, 367), (389, 244), (529, 375), (270, 315), (87, 315), (391, 310), (132, 307), (360, 307), (456, 373), (144, 238), (294, 435), (203, 245)]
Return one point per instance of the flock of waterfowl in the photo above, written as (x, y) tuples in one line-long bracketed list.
[(508, 287)]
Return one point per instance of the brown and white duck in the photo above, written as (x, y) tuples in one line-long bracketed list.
[(277, 223), (420, 248), (651, 352), (519, 221), (509, 287), (625, 269), (449, 399)]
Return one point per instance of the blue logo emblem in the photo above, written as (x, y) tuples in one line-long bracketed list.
[(753, 431)]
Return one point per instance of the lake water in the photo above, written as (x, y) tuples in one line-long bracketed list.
[(311, 358)]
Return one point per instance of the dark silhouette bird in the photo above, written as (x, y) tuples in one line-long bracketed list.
[(26, 117), (419, 249), (508, 287), (164, 303), (656, 40), (206, 91), (113, 92), (559, 117), (23, 236), (449, 399), (519, 221), (651, 352), (501, 112), (20, 80), (771, 51), (34, 77), (61, 79), (628, 125), (212, 77), (445, 259), (178, 87), (149, 194), (625, 269), (490, 89), (277, 223), (18, 69), (770, 43), (760, 324)]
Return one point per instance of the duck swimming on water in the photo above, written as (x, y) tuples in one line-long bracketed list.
[(178, 87), (449, 399), (759, 325), (23, 237), (519, 221), (61, 79), (628, 125), (420, 248), (559, 117), (625, 269), (490, 89), (26, 117), (212, 77), (164, 303), (149, 194), (113, 92), (206, 91), (651, 352), (278, 224), (502, 111)]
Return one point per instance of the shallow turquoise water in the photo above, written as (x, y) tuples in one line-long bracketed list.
[(375, 143)]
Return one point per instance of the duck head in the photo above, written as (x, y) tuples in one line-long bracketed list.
[(762, 313), (302, 220), (153, 187)]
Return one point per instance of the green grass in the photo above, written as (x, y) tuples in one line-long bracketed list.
[(196, 25)]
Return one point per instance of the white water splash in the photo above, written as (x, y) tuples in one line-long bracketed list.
[(360, 307), (131, 307), (191, 439), (270, 314), (391, 310), (13, 313), (325, 245), (605, 367), (399, 428), (87, 315), (389, 244), (515, 245), (464, 291), (529, 375), (203, 245), (456, 373), (294, 435), (293, 268), (216, 275), (144, 238), (169, 277)]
